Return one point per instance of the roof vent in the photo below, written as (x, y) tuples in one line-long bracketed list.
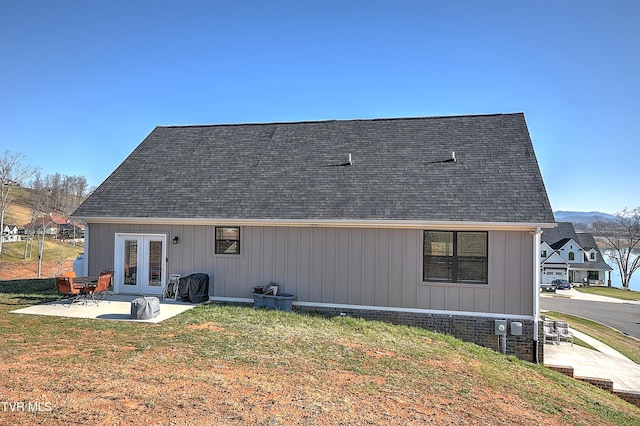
[(348, 163), (452, 159)]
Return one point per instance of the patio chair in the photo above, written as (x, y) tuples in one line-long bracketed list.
[(65, 286), (102, 286), (564, 333), (171, 289), (110, 272), (550, 332)]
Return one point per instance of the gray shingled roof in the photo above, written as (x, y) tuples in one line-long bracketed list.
[(586, 240), (295, 171), (560, 235)]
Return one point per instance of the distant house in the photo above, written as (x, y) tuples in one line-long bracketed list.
[(573, 256), (49, 222), (10, 233), (433, 221), (70, 230)]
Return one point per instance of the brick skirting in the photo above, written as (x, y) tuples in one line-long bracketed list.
[(478, 330)]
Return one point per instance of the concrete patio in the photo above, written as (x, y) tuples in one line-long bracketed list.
[(112, 307)]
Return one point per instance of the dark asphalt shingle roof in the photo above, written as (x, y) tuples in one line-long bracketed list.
[(560, 234), (586, 240), (557, 237), (294, 171)]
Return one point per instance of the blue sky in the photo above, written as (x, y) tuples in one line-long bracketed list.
[(83, 82)]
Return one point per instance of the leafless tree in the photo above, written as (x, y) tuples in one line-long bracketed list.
[(42, 227), (621, 237), (13, 172), (63, 193), (41, 220), (53, 183)]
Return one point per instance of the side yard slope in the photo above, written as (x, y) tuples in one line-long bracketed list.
[(221, 364)]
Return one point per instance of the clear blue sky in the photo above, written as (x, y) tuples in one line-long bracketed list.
[(83, 82)]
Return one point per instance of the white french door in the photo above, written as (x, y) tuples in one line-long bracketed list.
[(139, 263)]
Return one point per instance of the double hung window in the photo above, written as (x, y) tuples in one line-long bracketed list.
[(227, 240), (456, 256)]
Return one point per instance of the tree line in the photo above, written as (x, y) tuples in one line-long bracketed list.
[(58, 192), (51, 193)]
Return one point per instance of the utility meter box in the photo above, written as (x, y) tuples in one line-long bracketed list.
[(501, 327), (516, 328)]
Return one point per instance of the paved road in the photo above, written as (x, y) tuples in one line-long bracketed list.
[(621, 316)]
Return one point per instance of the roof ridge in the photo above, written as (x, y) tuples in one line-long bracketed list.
[(336, 120)]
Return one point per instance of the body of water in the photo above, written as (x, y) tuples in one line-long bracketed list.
[(615, 274)]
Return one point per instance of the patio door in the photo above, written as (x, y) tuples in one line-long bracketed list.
[(139, 266)]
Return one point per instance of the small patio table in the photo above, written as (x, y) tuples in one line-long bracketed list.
[(86, 285)]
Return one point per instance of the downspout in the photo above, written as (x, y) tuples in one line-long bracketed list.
[(536, 290)]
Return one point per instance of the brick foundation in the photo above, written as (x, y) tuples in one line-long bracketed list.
[(478, 330)]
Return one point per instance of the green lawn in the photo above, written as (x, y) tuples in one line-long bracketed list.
[(53, 250), (237, 365), (618, 293)]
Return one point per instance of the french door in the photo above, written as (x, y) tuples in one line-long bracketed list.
[(139, 263)]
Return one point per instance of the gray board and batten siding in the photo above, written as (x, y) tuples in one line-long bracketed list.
[(346, 266)]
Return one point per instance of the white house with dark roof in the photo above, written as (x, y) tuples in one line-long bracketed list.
[(573, 256), (431, 221), (10, 233)]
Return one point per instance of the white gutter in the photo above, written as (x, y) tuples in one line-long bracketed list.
[(328, 223), (536, 289)]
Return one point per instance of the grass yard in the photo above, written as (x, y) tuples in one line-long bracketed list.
[(53, 251), (219, 364), (618, 293)]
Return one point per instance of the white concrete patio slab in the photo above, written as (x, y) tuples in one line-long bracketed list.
[(624, 373), (115, 307), (603, 363)]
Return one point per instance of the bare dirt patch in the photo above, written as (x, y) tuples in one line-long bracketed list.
[(205, 326), (19, 271), (125, 385), (215, 392)]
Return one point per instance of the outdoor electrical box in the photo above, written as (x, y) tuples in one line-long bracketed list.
[(501, 327), (516, 328)]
